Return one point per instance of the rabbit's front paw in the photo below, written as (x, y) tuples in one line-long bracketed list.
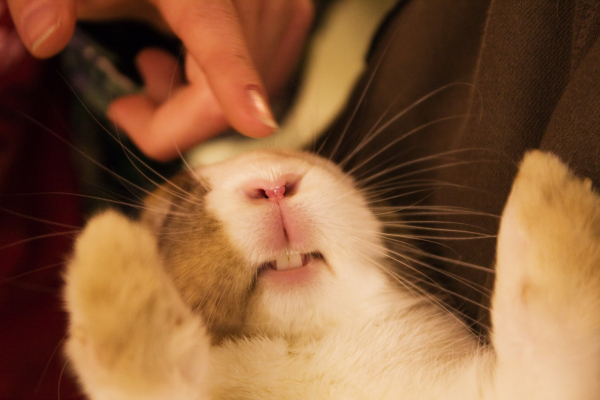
[(130, 334)]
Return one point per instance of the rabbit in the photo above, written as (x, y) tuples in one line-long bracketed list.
[(267, 276)]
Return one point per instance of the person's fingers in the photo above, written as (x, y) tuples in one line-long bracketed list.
[(45, 26), (249, 16), (161, 73), (291, 36), (263, 26), (213, 36), (162, 132)]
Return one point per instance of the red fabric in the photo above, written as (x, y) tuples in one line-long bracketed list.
[(32, 160)]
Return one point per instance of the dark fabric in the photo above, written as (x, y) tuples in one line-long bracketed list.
[(524, 74), (32, 161)]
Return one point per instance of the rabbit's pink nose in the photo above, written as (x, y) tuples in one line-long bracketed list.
[(275, 193), (273, 190)]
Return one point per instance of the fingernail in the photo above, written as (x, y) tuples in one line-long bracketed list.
[(262, 110), (40, 21)]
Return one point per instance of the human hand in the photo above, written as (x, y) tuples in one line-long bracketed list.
[(230, 45)]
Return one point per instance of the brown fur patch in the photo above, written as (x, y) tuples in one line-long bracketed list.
[(213, 278)]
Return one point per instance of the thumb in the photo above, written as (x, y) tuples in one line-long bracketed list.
[(45, 26)]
